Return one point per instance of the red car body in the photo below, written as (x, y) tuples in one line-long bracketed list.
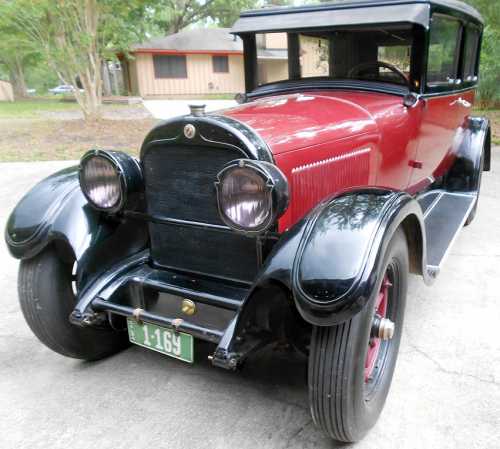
[(325, 141)]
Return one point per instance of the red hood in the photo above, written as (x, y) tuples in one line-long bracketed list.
[(291, 122)]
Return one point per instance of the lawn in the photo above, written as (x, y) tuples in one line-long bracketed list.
[(494, 116), (50, 140), (34, 108)]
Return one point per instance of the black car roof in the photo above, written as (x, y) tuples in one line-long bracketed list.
[(349, 12)]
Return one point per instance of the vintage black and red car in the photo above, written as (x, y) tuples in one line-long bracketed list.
[(351, 161)]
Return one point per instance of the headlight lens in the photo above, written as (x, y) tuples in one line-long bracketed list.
[(245, 198), (251, 195), (101, 182), (110, 180)]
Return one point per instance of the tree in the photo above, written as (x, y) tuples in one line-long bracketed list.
[(171, 16), (76, 36), (489, 92), (15, 55)]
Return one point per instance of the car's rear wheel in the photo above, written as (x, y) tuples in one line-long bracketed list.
[(351, 365), (47, 298)]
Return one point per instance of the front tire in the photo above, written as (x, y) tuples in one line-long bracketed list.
[(348, 382), (47, 299)]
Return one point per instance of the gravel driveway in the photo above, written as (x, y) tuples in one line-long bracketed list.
[(445, 393)]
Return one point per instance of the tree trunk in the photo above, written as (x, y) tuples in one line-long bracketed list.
[(16, 78)]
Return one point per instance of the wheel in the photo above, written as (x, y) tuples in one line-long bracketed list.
[(473, 211), (47, 299), (351, 365)]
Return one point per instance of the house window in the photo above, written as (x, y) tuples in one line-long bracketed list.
[(444, 51), (220, 64), (170, 66)]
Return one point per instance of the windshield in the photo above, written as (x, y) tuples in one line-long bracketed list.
[(378, 54)]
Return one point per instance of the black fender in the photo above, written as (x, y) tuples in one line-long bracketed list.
[(56, 211), (331, 260), (471, 143)]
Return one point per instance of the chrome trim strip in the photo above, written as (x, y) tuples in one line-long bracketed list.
[(331, 160)]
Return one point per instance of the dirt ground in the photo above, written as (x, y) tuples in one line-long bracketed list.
[(60, 135)]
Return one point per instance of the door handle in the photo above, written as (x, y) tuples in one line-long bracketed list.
[(462, 102)]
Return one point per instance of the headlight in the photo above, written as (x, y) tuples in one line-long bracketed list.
[(251, 195), (107, 178)]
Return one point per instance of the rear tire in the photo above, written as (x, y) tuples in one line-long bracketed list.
[(344, 401), (47, 299)]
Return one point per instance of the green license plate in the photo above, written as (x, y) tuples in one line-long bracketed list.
[(161, 339)]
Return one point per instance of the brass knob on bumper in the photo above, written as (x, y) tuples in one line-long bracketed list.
[(188, 307)]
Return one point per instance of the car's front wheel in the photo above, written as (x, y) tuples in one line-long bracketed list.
[(47, 299), (351, 365)]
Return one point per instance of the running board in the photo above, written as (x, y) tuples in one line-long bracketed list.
[(444, 218)]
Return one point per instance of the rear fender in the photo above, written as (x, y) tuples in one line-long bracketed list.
[(471, 143), (55, 211)]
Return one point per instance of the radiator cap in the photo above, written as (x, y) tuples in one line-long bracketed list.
[(198, 110)]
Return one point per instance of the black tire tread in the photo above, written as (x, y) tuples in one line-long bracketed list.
[(331, 367), (41, 296)]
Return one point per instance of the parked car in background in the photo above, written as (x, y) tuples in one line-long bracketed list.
[(295, 216), (63, 89)]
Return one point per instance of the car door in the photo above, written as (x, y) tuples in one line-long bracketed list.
[(446, 104)]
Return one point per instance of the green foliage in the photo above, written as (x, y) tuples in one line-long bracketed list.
[(76, 36), (171, 16), (489, 86)]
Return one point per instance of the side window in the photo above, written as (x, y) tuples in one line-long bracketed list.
[(272, 57), (444, 51), (169, 66), (470, 53)]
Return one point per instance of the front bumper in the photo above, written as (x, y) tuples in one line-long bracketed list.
[(136, 289)]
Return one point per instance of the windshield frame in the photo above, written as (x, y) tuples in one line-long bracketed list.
[(294, 76)]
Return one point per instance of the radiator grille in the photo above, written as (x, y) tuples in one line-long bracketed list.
[(180, 185), (180, 181)]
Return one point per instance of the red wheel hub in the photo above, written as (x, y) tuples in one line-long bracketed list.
[(375, 341)]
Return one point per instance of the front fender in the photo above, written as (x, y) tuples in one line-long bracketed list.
[(47, 212), (331, 260), (56, 211)]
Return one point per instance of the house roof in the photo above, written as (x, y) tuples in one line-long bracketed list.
[(197, 40), (348, 12)]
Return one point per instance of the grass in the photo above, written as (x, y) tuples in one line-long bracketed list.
[(33, 108), (50, 140), (494, 117), (37, 107)]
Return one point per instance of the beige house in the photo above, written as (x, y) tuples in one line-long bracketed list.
[(191, 62), (210, 61), (6, 92)]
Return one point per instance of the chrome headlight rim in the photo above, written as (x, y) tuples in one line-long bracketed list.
[(128, 173), (276, 186)]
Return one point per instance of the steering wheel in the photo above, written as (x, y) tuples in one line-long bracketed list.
[(357, 69)]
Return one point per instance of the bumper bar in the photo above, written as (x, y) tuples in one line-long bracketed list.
[(178, 324)]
